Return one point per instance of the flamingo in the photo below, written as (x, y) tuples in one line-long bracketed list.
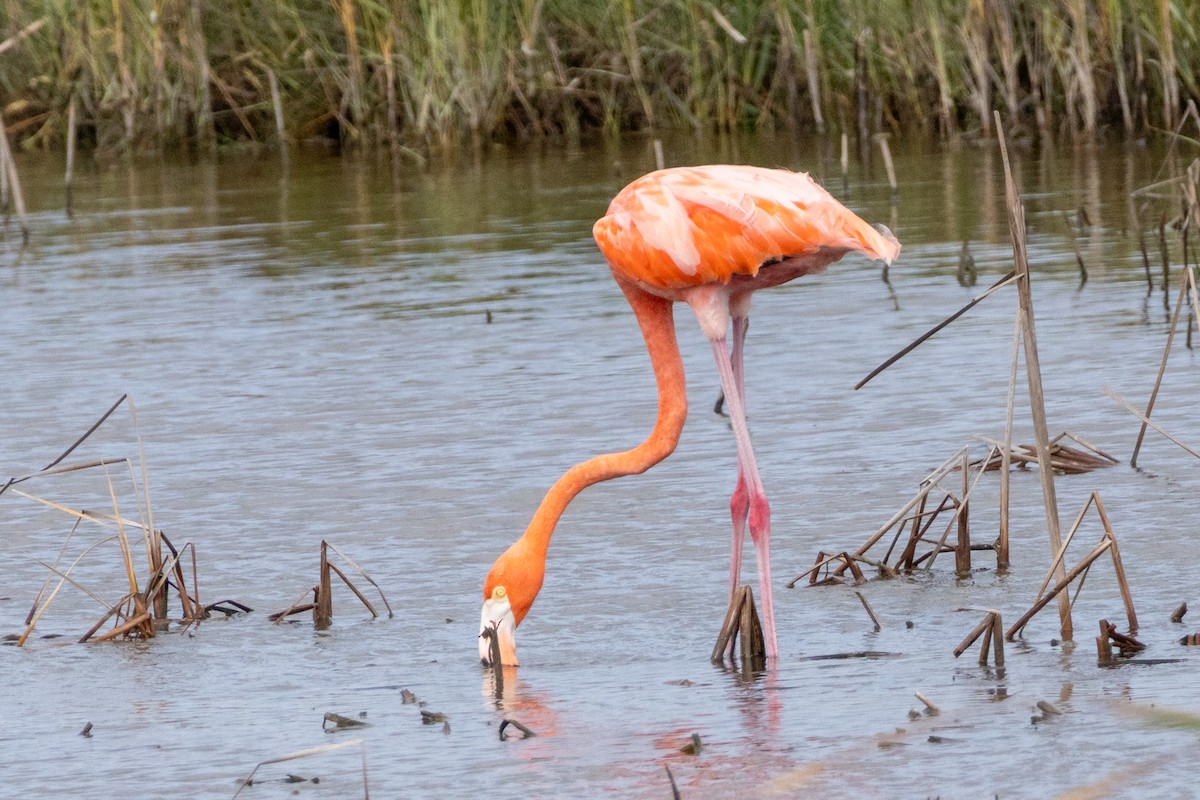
[(708, 236)]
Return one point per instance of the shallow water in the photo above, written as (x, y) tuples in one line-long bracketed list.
[(402, 364)]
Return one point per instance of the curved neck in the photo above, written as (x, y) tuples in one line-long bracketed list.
[(655, 318)]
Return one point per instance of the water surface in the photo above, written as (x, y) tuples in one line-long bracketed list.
[(402, 363)]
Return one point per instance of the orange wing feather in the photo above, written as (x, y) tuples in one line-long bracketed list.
[(688, 226)]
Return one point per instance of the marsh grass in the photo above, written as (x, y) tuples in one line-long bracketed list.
[(157, 74), (143, 606)]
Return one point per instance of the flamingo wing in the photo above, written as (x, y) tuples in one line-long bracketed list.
[(688, 226)]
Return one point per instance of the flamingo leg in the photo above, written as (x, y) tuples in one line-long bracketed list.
[(758, 513), (739, 503)]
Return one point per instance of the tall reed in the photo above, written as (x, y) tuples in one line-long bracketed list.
[(155, 74)]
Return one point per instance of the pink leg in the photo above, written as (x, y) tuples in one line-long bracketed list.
[(759, 513), (739, 503)]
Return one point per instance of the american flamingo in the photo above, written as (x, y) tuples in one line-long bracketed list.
[(707, 236)]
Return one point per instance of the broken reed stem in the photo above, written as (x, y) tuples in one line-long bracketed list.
[(141, 621), (363, 574), (929, 704), (998, 638), (323, 607), (354, 589), (1016, 223), (870, 611), (742, 620), (991, 629), (295, 608)]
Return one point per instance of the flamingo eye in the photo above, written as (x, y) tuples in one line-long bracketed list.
[(499, 593)]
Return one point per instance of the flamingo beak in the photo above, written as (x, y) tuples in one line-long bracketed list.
[(498, 618)]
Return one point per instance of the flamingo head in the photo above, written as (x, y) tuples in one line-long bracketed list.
[(508, 593)]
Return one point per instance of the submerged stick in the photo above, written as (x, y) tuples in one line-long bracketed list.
[(1007, 279)]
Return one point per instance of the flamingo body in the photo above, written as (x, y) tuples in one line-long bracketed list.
[(709, 236)]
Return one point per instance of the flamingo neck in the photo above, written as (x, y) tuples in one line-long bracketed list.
[(657, 322)]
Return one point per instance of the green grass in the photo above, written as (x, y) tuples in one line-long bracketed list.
[(159, 74)]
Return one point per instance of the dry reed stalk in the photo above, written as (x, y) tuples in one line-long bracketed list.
[(308, 753), (1016, 224), (363, 574), (1108, 543), (1000, 284), (35, 614), (992, 631), (1186, 280), (1146, 421), (298, 607), (1104, 652), (1002, 552), (915, 511), (849, 562), (1062, 457)]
